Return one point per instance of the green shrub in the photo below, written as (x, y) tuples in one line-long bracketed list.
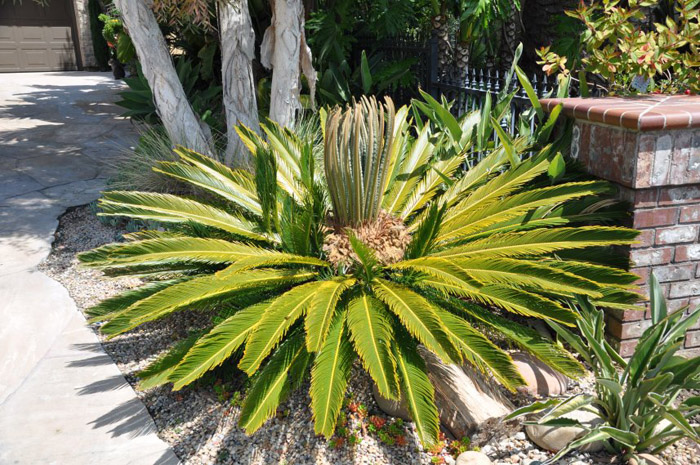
[(632, 397), (632, 58), (383, 245)]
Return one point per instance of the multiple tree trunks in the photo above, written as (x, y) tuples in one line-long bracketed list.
[(284, 49), (180, 121), (237, 53)]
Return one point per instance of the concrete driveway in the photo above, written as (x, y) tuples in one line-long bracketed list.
[(58, 134)]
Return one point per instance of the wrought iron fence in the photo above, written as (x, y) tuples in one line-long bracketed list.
[(466, 87)]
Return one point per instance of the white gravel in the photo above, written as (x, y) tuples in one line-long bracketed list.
[(200, 424)]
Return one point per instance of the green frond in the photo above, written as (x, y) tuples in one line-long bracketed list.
[(214, 348), (216, 169), (540, 242), (428, 186), (169, 208), (523, 273), (214, 182), (191, 249), (502, 185), (423, 238), (330, 375), (418, 315), (409, 172), (197, 291), (418, 391), (158, 372), (451, 279), (526, 338), (480, 351), (149, 234), (270, 387), (321, 310), (604, 275), (126, 299), (372, 335), (473, 220), (278, 317)]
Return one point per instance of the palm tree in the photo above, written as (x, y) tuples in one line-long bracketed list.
[(363, 248)]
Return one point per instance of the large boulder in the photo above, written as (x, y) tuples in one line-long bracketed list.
[(465, 398), (645, 459), (555, 438), (473, 458), (540, 379), (393, 408)]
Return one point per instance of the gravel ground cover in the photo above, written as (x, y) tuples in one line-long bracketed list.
[(200, 422)]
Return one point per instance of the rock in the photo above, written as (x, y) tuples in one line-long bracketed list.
[(645, 459), (541, 380), (465, 399), (473, 458), (555, 438), (393, 408)]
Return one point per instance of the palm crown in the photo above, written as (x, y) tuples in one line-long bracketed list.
[(390, 245)]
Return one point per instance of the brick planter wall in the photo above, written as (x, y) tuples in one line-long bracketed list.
[(650, 147)]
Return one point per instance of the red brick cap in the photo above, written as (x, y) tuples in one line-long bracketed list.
[(641, 113)]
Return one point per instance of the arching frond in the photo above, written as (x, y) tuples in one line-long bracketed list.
[(418, 315), (169, 208), (278, 317), (321, 310), (204, 289), (330, 375), (215, 347), (282, 374), (480, 351), (541, 241), (418, 391), (191, 249), (122, 301), (371, 333)]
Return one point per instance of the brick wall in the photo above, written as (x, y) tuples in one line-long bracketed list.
[(650, 148)]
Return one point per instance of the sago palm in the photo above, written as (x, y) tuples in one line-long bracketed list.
[(381, 243)]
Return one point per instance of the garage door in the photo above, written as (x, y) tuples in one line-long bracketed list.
[(35, 37)]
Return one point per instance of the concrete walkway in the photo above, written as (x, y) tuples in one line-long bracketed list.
[(62, 399)]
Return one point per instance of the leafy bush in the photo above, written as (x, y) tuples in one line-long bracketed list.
[(632, 397), (630, 57), (205, 100), (382, 244)]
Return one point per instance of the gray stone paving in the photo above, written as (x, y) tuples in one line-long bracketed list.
[(62, 399)]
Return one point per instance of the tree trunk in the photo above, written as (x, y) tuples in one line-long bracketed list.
[(441, 32), (284, 50), (511, 35), (180, 121), (237, 53)]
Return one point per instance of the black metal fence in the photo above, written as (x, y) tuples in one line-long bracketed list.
[(466, 87)]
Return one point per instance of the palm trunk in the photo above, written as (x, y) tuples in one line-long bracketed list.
[(441, 32), (511, 33), (462, 51), (284, 50), (180, 121), (237, 53)]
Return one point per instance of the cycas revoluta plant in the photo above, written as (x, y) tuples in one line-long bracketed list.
[(308, 285)]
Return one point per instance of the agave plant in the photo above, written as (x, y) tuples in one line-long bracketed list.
[(387, 246)]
